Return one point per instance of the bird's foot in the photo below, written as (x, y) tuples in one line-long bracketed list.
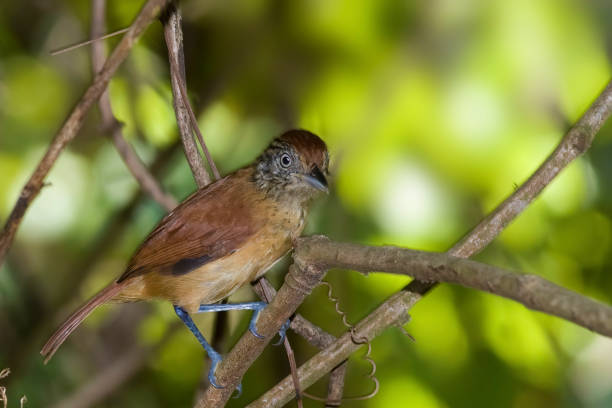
[(282, 333), (253, 328), (252, 323), (215, 357)]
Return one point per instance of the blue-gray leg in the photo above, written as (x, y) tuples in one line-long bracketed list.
[(215, 358), (257, 307)]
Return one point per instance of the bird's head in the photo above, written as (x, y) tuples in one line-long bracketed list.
[(295, 163)]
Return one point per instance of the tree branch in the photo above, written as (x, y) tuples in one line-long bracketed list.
[(185, 117), (75, 120), (140, 172), (313, 335), (335, 388), (575, 142), (391, 313), (532, 291), (299, 282)]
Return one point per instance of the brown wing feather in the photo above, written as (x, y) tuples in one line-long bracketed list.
[(201, 229)]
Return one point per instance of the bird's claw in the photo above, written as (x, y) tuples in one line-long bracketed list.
[(212, 379), (214, 362), (238, 390), (252, 326), (282, 332)]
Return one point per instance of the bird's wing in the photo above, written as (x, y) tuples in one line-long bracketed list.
[(201, 229)]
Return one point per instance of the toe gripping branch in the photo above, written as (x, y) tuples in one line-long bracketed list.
[(214, 356)]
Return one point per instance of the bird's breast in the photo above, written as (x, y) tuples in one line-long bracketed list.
[(217, 280)]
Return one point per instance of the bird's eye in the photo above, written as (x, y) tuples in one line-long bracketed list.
[(285, 160)]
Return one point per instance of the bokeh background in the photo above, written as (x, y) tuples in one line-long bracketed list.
[(434, 112)]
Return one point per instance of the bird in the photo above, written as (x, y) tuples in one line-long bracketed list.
[(221, 237)]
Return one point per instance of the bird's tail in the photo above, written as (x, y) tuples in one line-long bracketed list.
[(76, 318)]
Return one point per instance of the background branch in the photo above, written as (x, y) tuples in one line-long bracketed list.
[(173, 35), (75, 120), (147, 182), (116, 374)]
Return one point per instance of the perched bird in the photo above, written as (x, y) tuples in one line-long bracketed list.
[(223, 236)]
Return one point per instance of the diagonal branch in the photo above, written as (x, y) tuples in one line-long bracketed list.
[(314, 335), (575, 142), (299, 282), (532, 291), (391, 313), (75, 120), (140, 172)]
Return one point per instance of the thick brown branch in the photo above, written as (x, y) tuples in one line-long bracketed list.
[(299, 282), (575, 142), (313, 334), (140, 172), (75, 120), (532, 291)]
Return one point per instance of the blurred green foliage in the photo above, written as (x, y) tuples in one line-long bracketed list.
[(434, 112)]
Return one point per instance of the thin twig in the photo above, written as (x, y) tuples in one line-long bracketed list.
[(194, 124), (93, 40), (75, 120), (140, 172), (3, 374), (173, 35), (576, 141), (294, 375)]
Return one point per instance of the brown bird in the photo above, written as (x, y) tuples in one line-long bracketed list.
[(221, 237)]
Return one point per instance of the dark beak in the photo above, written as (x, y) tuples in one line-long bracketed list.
[(317, 179)]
